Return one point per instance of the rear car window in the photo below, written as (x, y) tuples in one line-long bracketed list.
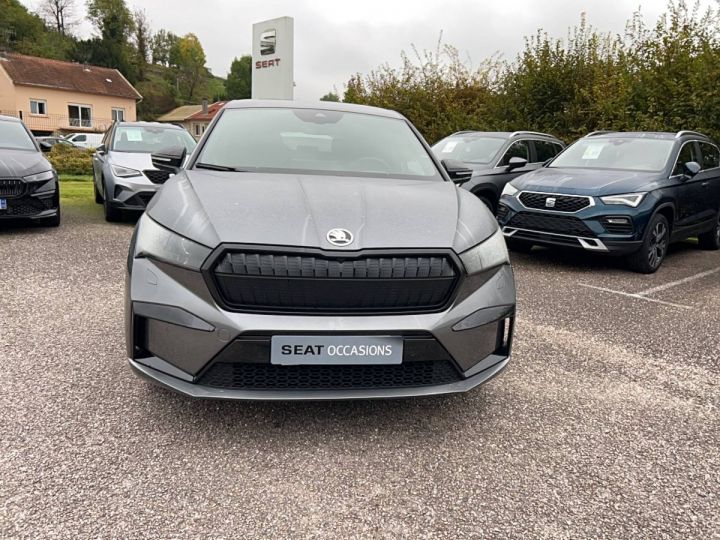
[(546, 150), (710, 156)]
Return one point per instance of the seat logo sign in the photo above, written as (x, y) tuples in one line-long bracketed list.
[(550, 202), (339, 237)]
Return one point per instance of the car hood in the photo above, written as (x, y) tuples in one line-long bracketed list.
[(596, 182), (132, 160), (299, 210), (18, 163)]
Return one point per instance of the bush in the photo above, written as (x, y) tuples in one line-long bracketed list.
[(67, 160), (662, 77)]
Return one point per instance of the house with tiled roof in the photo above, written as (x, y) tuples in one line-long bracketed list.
[(194, 118), (53, 96)]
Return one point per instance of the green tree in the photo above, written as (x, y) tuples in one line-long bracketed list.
[(115, 24), (162, 42), (330, 96), (239, 81), (188, 57), (143, 38)]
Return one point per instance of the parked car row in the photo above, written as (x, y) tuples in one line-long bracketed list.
[(628, 194), (124, 177)]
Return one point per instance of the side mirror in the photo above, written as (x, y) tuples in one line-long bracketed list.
[(457, 171), (516, 163), (101, 149), (45, 147), (691, 168), (169, 159)]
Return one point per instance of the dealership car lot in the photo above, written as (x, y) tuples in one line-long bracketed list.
[(605, 423)]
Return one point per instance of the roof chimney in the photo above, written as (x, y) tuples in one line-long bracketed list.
[(205, 106)]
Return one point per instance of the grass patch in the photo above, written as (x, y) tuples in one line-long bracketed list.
[(77, 193), (76, 178)]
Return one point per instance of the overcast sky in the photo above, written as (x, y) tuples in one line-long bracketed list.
[(336, 38)]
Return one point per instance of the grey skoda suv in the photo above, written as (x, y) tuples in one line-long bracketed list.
[(315, 251)]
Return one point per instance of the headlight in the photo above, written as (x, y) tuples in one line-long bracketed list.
[(629, 199), (509, 190), (156, 242), (40, 177), (490, 253), (124, 172)]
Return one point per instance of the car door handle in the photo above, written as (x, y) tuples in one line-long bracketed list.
[(705, 183)]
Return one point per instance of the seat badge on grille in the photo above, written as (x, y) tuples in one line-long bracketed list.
[(339, 237), (550, 202)]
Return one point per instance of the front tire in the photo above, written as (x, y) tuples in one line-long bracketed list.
[(710, 240), (98, 196), (654, 248), (112, 215)]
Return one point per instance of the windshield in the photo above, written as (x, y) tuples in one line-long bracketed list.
[(13, 136), (314, 141), (633, 153), (469, 148), (149, 139)]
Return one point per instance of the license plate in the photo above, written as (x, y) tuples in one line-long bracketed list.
[(335, 350), (3, 204)]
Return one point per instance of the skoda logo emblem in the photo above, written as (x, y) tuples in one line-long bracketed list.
[(339, 237)]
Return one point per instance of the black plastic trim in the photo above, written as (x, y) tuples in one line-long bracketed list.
[(212, 260)]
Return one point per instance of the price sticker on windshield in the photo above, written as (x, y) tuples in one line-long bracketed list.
[(592, 151)]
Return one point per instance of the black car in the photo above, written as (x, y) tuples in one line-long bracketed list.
[(47, 143), (620, 193), (29, 186), (495, 158)]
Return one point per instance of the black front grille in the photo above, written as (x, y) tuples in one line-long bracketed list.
[(563, 203), (26, 206), (11, 187), (335, 283), (156, 176), (550, 223), (249, 376)]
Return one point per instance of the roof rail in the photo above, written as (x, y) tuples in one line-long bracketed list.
[(686, 132), (600, 132), (514, 133)]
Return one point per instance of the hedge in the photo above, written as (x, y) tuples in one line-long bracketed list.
[(66, 160)]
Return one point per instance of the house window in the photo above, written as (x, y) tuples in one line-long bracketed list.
[(38, 106), (80, 115), (197, 129), (118, 115)]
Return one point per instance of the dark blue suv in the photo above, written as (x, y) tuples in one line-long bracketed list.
[(620, 193)]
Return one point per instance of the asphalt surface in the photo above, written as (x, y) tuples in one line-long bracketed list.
[(605, 424)]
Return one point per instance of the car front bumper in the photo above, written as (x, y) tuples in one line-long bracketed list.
[(133, 193), (587, 228), (176, 334)]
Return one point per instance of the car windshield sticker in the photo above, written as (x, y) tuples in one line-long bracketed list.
[(593, 151), (134, 135), (449, 147)]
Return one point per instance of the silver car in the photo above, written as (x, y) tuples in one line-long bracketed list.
[(123, 174), (316, 251)]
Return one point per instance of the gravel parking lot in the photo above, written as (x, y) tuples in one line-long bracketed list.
[(605, 424)]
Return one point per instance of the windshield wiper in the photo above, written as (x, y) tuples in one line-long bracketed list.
[(211, 167)]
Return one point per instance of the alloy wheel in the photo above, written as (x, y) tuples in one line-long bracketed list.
[(658, 244)]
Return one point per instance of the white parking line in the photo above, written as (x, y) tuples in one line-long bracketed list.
[(632, 295), (678, 282)]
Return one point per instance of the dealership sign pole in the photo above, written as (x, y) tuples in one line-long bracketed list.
[(272, 54)]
